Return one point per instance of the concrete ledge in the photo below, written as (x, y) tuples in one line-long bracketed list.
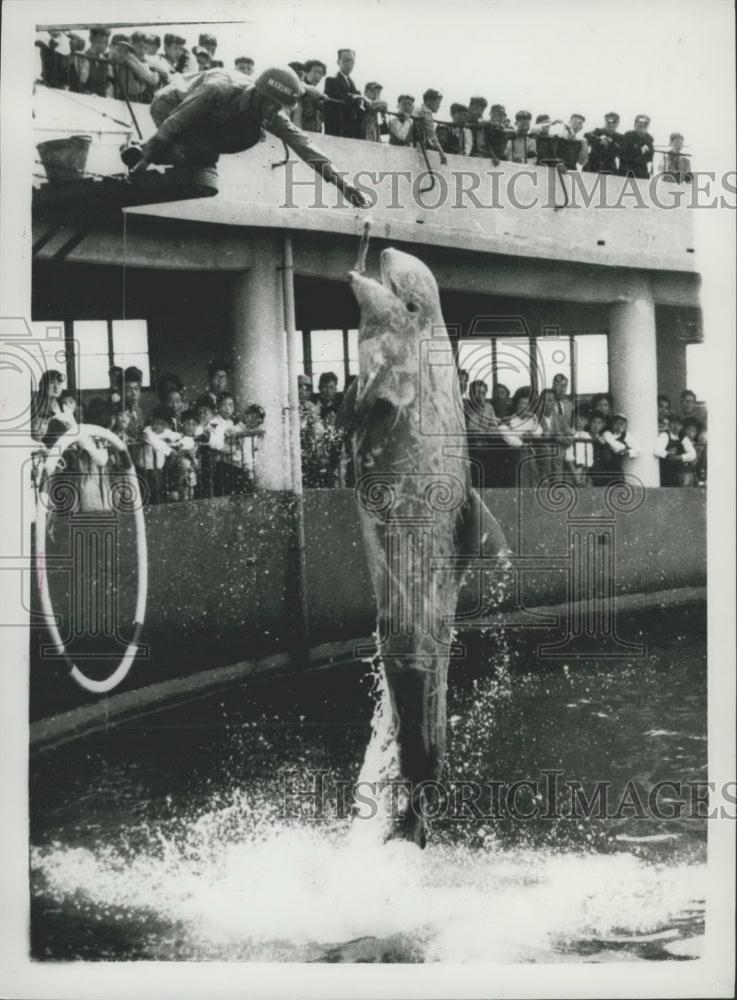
[(46, 734)]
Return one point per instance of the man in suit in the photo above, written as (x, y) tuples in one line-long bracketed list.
[(605, 146), (345, 117), (558, 422), (637, 150)]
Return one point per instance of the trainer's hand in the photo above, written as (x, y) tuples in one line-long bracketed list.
[(355, 196), (443, 159)]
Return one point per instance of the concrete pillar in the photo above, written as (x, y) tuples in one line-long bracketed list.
[(260, 359), (633, 374)]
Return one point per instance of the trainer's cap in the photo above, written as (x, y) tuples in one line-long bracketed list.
[(281, 85)]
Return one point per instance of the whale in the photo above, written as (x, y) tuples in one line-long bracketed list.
[(420, 519)]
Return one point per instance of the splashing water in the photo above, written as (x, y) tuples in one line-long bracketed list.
[(223, 875)]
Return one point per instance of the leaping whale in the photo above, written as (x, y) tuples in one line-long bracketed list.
[(418, 513)]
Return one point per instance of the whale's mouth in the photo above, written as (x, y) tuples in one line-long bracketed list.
[(386, 278)]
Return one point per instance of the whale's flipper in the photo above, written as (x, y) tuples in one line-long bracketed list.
[(479, 532)]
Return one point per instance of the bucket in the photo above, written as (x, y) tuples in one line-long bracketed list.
[(65, 159)]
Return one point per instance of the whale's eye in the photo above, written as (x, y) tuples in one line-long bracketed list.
[(412, 307)]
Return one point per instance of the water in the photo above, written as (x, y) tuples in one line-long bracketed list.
[(166, 838)]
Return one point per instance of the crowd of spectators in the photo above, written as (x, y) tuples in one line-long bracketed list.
[(519, 441), (182, 449), (136, 66)]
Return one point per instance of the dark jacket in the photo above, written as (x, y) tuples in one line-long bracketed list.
[(213, 114), (632, 159), (604, 156), (344, 118)]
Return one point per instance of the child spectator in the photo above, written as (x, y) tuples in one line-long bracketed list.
[(605, 146), (677, 164), (374, 113), (498, 133), (477, 125), (425, 134), (246, 65), (601, 403), (579, 456), (521, 148), (637, 150), (232, 461), (572, 147), (456, 138), (401, 125), (463, 381), (599, 469), (695, 472), (663, 409), (621, 445), (675, 453)]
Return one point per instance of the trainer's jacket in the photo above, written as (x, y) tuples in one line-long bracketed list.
[(205, 114)]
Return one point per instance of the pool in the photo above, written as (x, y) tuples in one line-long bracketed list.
[(194, 832)]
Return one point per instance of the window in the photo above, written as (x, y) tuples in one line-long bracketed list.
[(553, 358), (328, 351), (101, 343), (697, 370), (514, 362), (476, 356), (49, 349), (591, 363)]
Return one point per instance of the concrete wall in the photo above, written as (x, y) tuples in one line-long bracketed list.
[(224, 573)]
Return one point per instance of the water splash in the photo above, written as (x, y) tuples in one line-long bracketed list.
[(275, 891)]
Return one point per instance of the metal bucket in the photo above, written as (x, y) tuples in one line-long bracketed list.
[(65, 159)]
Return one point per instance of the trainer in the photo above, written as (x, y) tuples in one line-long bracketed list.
[(218, 112)]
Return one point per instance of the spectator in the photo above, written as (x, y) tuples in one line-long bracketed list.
[(456, 138), (689, 406), (601, 403), (481, 427), (520, 431), (497, 133), (558, 423), (501, 401), (157, 61), (425, 135), (600, 467), (121, 421), (213, 113), (171, 407), (298, 68), (675, 452), (218, 376), (663, 411), (475, 121), (233, 465), (605, 146), (621, 445), (693, 473), (637, 150), (463, 381), (95, 75), (132, 388), (45, 402), (85, 460), (311, 433), (174, 52), (677, 164), (209, 43), (159, 444), (330, 443), (203, 57), (521, 148), (579, 456), (374, 113), (329, 399), (572, 147), (245, 65), (134, 79), (401, 125), (55, 49), (343, 110), (546, 143), (309, 113)]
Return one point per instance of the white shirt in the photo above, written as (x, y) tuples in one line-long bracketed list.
[(664, 439), (618, 446), (581, 452)]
